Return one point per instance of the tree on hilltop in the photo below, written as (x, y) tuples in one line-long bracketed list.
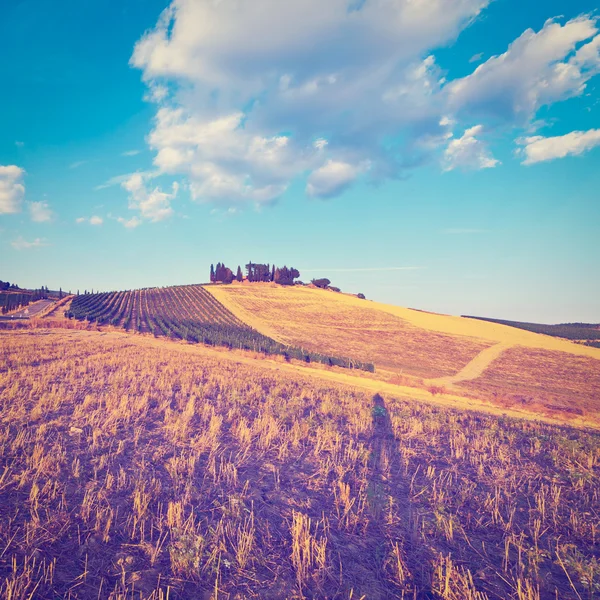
[(321, 283), (285, 276)]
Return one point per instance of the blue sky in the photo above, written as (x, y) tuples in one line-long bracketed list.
[(438, 155)]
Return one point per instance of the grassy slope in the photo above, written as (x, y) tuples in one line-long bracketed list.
[(555, 374), (129, 464), (336, 323)]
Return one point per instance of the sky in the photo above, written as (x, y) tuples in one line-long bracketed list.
[(436, 154)]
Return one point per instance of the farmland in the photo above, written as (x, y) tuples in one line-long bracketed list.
[(335, 323), (137, 471), (189, 313), (549, 379), (508, 366)]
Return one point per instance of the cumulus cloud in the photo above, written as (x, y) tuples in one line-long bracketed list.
[(21, 244), (242, 99), (129, 223), (245, 105), (93, 220), (539, 149), (12, 189), (332, 178), (468, 152), (153, 204), (40, 212), (537, 69)]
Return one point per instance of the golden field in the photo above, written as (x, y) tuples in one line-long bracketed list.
[(461, 355), (343, 325), (141, 468)]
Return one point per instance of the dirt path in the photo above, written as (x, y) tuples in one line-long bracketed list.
[(475, 368)]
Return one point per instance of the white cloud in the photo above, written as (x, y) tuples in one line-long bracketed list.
[(537, 69), (129, 223), (468, 152), (22, 244), (19, 144), (12, 189), (131, 153), (40, 212), (93, 220), (232, 81), (538, 148), (245, 105), (78, 164), (153, 204), (119, 179), (332, 178)]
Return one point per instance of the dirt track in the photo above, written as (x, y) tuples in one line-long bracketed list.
[(475, 368)]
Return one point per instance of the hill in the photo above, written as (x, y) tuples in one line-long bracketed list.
[(189, 313), (519, 367), (588, 333)]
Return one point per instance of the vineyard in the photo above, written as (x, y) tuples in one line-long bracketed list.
[(188, 313)]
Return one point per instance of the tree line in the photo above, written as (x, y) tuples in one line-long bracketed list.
[(254, 272)]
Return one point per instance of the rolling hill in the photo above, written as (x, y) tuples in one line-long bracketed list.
[(506, 365)]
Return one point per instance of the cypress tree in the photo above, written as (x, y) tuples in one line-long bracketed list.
[(212, 273), (239, 275)]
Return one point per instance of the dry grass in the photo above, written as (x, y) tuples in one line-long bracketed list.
[(329, 302), (510, 367), (346, 326), (542, 378), (131, 470)]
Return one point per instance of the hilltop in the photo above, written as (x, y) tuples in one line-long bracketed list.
[(444, 357)]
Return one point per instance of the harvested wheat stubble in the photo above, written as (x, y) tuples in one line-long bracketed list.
[(134, 470)]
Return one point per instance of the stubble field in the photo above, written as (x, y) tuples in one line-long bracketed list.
[(137, 472)]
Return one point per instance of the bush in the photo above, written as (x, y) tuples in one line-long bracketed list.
[(321, 283)]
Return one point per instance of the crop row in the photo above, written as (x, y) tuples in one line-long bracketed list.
[(189, 313)]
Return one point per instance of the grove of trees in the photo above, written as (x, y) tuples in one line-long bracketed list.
[(254, 272)]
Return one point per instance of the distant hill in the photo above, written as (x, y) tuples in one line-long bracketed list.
[(584, 332)]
